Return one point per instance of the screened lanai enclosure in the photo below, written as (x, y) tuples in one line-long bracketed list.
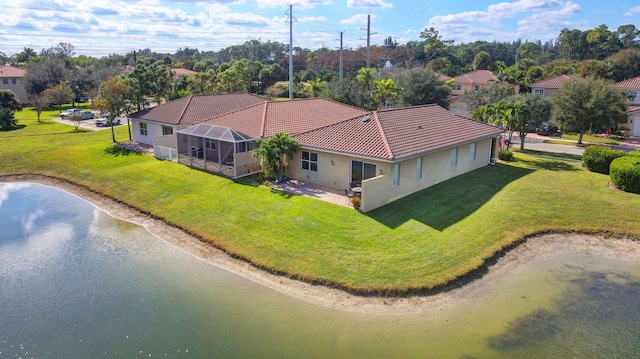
[(217, 149)]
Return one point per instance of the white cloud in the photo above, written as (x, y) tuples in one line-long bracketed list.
[(6, 188), (380, 4), (633, 10), (359, 19), (529, 14), (312, 18), (411, 31)]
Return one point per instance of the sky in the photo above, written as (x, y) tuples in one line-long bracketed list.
[(101, 27)]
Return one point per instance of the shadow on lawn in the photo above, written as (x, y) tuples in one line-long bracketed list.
[(449, 202), (551, 165)]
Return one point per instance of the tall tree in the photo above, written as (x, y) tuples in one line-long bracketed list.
[(366, 76), (59, 94), (41, 75), (628, 34), (113, 97), (421, 86), (482, 61), (434, 45), (590, 104), (316, 86), (384, 92)]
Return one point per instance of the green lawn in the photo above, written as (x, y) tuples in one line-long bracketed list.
[(419, 242), (585, 139), (549, 154)]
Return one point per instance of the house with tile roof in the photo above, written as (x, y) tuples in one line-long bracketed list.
[(550, 86), (633, 110), (471, 81), (390, 153), (11, 79), (160, 123), (179, 71)]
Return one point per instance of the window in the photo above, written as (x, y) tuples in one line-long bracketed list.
[(143, 128), (13, 81), (5, 81), (419, 168), (396, 175), (472, 152), (209, 144), (633, 95), (241, 147), (454, 158), (538, 92), (361, 171), (476, 88), (459, 87), (310, 161), (166, 130)]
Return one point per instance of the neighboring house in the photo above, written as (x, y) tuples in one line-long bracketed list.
[(548, 87), (158, 125), (182, 71), (633, 86), (11, 79), (391, 153), (471, 81)]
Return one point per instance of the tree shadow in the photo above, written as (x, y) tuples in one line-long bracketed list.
[(120, 151), (548, 164), (449, 202), (13, 128)]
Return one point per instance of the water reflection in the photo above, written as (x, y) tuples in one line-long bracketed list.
[(78, 283)]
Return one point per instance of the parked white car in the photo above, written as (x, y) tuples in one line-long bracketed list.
[(76, 111), (104, 120)]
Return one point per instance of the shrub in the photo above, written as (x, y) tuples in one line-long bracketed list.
[(598, 158), (356, 201), (625, 173), (505, 155)]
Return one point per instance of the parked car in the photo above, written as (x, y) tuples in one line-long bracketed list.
[(547, 130), (103, 120), (76, 111)]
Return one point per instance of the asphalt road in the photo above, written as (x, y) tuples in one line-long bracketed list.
[(536, 142)]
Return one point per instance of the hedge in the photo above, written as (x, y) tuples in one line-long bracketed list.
[(625, 173), (598, 158)]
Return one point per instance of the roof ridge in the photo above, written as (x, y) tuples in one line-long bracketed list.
[(184, 110), (263, 121), (383, 135)]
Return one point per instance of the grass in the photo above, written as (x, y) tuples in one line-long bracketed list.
[(567, 156), (589, 139), (29, 126), (419, 242)]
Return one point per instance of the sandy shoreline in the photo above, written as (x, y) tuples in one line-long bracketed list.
[(338, 299)]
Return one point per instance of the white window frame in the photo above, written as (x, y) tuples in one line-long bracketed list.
[(633, 95), (396, 175), (476, 88), (453, 162), (538, 92), (309, 161), (143, 129), (458, 87), (472, 151), (419, 168), (167, 130), (210, 144)]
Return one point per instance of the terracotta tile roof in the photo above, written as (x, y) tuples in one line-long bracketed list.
[(633, 108), (7, 71), (476, 77), (182, 71), (630, 84), (399, 133), (197, 108), (554, 82), (443, 77), (292, 116)]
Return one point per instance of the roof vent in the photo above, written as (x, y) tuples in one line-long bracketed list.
[(366, 118)]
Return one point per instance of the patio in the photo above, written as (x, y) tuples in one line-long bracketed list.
[(311, 190)]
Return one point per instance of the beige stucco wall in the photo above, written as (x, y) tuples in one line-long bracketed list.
[(634, 124), (16, 88), (246, 164), (153, 130), (379, 190), (436, 168)]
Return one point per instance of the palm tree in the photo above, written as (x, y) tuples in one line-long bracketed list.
[(366, 76), (274, 153), (385, 91), (316, 85)]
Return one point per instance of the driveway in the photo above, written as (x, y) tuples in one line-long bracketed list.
[(536, 142)]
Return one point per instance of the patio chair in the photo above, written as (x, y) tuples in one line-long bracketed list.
[(349, 193)]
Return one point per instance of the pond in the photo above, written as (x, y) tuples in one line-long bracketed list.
[(76, 282)]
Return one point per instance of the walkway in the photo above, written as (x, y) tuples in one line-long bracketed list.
[(314, 191)]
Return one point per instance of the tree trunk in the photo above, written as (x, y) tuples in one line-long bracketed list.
[(580, 137), (113, 133), (523, 135)]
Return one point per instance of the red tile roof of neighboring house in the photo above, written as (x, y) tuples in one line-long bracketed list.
[(554, 82), (182, 71), (443, 77), (7, 71), (476, 77), (398, 133), (292, 116), (630, 84), (633, 108), (197, 108)]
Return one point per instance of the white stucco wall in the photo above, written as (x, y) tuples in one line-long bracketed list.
[(154, 129)]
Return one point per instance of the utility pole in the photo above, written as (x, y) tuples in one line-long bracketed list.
[(368, 40), (290, 51), (341, 68)]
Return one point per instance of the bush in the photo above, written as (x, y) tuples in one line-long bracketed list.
[(356, 201), (598, 158), (625, 173), (505, 155)]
